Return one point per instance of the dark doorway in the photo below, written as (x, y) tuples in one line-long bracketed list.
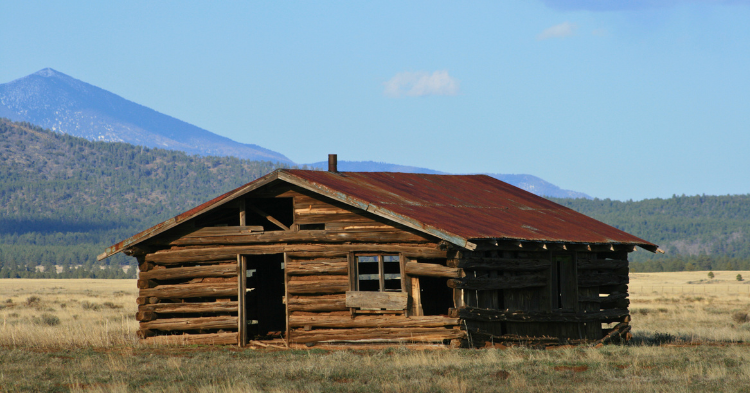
[(436, 296), (264, 301)]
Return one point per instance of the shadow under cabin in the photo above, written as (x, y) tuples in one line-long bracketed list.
[(301, 257)]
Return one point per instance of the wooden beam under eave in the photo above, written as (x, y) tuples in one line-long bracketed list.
[(268, 217)]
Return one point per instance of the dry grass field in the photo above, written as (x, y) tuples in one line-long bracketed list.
[(78, 335)]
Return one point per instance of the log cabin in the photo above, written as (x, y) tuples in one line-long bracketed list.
[(312, 257)]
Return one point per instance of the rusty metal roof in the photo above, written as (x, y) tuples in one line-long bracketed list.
[(455, 208)]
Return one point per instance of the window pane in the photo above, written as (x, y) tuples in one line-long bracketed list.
[(390, 258), (368, 273)]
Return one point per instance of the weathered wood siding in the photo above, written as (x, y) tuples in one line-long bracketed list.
[(535, 292), (189, 276)]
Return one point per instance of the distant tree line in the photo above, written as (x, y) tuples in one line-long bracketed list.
[(64, 199)]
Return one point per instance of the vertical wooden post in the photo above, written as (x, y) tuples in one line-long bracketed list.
[(416, 295), (243, 215), (381, 269), (286, 298), (241, 307)]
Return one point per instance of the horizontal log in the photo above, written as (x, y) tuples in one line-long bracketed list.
[(366, 321), (301, 287), (179, 256), (318, 303), (380, 334), (190, 308), (319, 278), (222, 322), (603, 264), (174, 273), (143, 283), (484, 315), (145, 316), (501, 282), (589, 278), (500, 264), (301, 268), (192, 339), (431, 270), (377, 300), (185, 291), (224, 231), (303, 236)]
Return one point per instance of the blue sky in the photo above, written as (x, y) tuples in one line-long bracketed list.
[(647, 99)]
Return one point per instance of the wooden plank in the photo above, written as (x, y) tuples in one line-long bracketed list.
[(500, 264), (224, 231), (368, 321), (382, 334), (316, 236), (192, 339), (190, 272), (501, 282), (603, 264), (318, 303), (241, 304), (478, 314), (416, 297), (190, 308), (377, 300), (222, 322), (431, 270), (185, 291), (286, 298), (589, 278), (180, 256), (316, 267)]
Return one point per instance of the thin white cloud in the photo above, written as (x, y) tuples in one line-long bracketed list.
[(630, 5), (562, 30), (421, 83)]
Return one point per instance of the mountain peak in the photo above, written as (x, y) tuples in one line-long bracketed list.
[(48, 72), (54, 100)]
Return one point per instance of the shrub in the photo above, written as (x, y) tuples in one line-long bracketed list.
[(87, 305), (32, 300), (740, 317), (711, 275), (739, 277), (111, 305), (47, 319)]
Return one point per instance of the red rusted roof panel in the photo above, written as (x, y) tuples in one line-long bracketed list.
[(453, 207), (470, 206)]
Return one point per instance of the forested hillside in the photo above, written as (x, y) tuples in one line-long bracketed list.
[(697, 232), (63, 199)]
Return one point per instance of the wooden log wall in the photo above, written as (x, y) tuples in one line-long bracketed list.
[(189, 281), (318, 311), (187, 301), (508, 290)]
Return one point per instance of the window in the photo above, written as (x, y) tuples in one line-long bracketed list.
[(378, 273)]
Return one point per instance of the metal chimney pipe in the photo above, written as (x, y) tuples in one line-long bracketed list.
[(332, 163)]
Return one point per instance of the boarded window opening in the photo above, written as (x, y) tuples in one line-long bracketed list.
[(564, 283)]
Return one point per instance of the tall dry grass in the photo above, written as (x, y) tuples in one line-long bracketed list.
[(78, 335), (40, 313)]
